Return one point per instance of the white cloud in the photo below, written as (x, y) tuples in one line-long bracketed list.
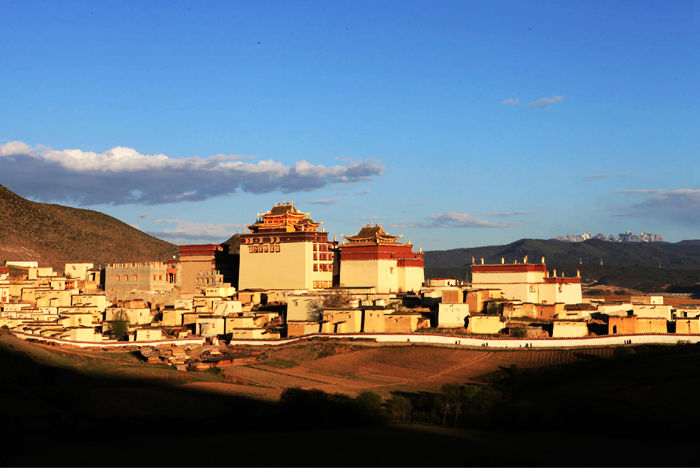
[(509, 214), (123, 175), (510, 102), (544, 102), (606, 176), (181, 231), (324, 201), (461, 219)]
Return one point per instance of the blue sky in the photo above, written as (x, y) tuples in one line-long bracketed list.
[(455, 124)]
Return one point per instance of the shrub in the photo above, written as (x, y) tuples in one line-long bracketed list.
[(399, 408)]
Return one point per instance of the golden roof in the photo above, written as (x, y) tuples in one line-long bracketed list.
[(283, 217), (283, 209), (372, 233)]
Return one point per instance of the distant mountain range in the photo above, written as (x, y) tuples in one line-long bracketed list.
[(55, 234), (622, 237), (639, 265)]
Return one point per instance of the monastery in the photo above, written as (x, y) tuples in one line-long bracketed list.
[(374, 258), (289, 279), (285, 250)]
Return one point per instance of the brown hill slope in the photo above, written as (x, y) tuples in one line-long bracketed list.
[(55, 234)]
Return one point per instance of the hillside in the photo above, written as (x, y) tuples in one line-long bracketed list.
[(642, 265), (55, 234), (233, 244)]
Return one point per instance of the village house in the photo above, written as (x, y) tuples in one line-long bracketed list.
[(77, 270), (569, 328), (482, 324), (137, 276), (528, 282)]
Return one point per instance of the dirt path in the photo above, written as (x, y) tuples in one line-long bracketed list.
[(467, 363)]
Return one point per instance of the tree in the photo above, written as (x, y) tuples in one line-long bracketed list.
[(336, 298), (399, 408), (120, 326)]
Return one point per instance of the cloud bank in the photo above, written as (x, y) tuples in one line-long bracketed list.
[(183, 232), (681, 206), (123, 175)]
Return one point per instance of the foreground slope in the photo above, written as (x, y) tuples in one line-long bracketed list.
[(55, 234), (94, 408)]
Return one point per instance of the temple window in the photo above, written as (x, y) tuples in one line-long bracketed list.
[(315, 267)]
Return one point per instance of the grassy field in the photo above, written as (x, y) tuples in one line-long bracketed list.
[(624, 406)]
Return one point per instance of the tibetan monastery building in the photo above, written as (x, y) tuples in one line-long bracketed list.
[(285, 250), (527, 282), (374, 258)]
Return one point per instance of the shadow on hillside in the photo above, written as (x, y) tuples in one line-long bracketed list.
[(55, 416)]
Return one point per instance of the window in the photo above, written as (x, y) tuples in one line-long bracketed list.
[(315, 247), (160, 277), (126, 277), (250, 249), (315, 267), (118, 278), (265, 249), (277, 248), (315, 256)]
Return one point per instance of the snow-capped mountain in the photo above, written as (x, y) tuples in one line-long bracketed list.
[(622, 237)]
